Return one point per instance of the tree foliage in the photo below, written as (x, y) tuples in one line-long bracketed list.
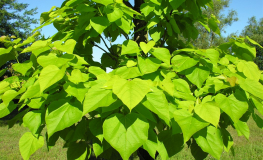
[(15, 21), (207, 39), (161, 93), (254, 30)]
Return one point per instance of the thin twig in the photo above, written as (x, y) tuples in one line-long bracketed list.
[(105, 42), (112, 57), (101, 48)]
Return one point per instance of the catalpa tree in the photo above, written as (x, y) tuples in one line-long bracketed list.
[(160, 95)]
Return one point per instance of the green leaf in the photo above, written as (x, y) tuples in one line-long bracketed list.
[(77, 77), (157, 103), (78, 151), (242, 129), (99, 23), (181, 85), (97, 97), (95, 126), (100, 148), (28, 144), (208, 111), (4, 86), (250, 70), (114, 14), (128, 10), (253, 42), (9, 96), (77, 62), (107, 60), (169, 145), (6, 55), (145, 112), (227, 139), (209, 139), (258, 120), (124, 24), (212, 23), (162, 54), (76, 90), (85, 8), (37, 45), (36, 103), (50, 75), (148, 65), (125, 133), (33, 120), (23, 67), (244, 51), (130, 92), (257, 104), (176, 3), (147, 47), (98, 72), (182, 62), (131, 63), (151, 145), (32, 91), (130, 47), (67, 47), (52, 59), (2, 72), (6, 109), (253, 87), (175, 26), (104, 2), (156, 33), (197, 151), (197, 75), (168, 86), (190, 124), (213, 55), (233, 106), (127, 73), (66, 115), (147, 8)]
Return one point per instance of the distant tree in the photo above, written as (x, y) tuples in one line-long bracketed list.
[(254, 30), (15, 21), (15, 18), (206, 39)]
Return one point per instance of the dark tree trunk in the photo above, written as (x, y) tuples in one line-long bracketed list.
[(142, 35)]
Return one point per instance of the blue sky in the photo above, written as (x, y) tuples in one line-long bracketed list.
[(245, 9)]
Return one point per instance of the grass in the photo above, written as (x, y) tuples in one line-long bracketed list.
[(244, 149), (9, 145)]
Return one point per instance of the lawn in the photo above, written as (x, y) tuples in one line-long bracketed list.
[(244, 149)]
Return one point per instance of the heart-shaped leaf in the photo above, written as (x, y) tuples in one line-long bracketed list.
[(28, 144), (64, 115), (126, 133), (68, 46), (50, 75), (147, 47), (131, 92), (190, 124)]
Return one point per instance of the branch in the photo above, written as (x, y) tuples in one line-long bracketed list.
[(106, 52), (101, 48), (104, 42)]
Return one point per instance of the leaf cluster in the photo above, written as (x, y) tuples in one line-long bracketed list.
[(160, 95)]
